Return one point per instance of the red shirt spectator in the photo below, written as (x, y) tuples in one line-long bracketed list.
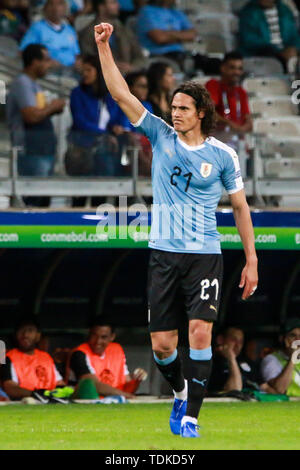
[(231, 101), (230, 98)]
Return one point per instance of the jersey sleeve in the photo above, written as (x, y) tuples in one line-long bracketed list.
[(79, 364), (152, 127), (231, 175)]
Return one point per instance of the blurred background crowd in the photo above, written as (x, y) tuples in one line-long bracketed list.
[(63, 121)]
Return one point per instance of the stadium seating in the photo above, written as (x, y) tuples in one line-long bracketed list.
[(9, 47), (282, 167), (215, 31), (284, 146), (273, 106), (204, 6), (266, 86), (262, 66), (222, 23), (284, 127)]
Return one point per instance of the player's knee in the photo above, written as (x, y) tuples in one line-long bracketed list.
[(162, 347), (162, 350), (200, 335), (164, 343)]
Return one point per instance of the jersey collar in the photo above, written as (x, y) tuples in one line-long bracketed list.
[(190, 147)]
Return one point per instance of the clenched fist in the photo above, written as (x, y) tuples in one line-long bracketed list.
[(103, 32)]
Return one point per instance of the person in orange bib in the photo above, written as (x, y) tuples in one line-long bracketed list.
[(28, 371), (103, 361)]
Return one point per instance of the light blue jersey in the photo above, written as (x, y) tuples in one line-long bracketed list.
[(187, 185)]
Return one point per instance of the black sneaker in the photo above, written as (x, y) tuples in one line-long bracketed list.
[(39, 396), (63, 401)]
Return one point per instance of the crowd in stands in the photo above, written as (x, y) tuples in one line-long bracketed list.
[(150, 45), (98, 367)]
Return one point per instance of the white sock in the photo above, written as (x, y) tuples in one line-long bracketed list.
[(189, 419), (183, 394)]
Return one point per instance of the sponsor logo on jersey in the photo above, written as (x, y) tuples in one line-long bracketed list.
[(205, 169)]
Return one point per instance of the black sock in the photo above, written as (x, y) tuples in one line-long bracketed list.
[(198, 376), (171, 369)]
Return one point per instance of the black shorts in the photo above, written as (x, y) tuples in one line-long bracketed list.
[(183, 283)]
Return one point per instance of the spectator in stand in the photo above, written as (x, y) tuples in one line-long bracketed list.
[(28, 371), (28, 117), (268, 28), (161, 84), (231, 100), (122, 127), (231, 370), (14, 18), (56, 34), (126, 50), (102, 362), (163, 30), (92, 150), (281, 369)]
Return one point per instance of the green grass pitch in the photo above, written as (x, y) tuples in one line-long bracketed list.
[(145, 427)]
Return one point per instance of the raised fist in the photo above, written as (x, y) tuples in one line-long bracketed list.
[(103, 31)]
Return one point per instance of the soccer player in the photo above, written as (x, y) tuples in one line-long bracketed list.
[(189, 170)]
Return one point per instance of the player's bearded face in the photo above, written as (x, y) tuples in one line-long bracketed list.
[(185, 116)]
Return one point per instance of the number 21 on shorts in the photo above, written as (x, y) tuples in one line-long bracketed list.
[(205, 284)]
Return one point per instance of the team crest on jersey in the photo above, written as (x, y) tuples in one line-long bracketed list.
[(205, 169)]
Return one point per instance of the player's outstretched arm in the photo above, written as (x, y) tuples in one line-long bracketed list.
[(115, 83), (249, 277)]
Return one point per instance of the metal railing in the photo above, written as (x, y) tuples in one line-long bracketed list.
[(257, 186)]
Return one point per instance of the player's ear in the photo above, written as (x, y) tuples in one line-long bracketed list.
[(201, 114)]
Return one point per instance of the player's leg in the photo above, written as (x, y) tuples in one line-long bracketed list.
[(164, 345), (202, 283), (164, 310), (198, 373)]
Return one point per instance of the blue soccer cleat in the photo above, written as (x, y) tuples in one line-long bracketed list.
[(178, 412), (189, 429)]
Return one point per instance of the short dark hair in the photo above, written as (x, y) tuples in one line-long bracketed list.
[(233, 55), (132, 77), (27, 320), (32, 52), (203, 102), (102, 320)]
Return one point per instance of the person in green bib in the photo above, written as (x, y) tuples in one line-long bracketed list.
[(281, 369)]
